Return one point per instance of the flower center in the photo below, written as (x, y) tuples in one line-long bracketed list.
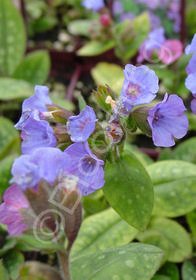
[(133, 90), (88, 165)]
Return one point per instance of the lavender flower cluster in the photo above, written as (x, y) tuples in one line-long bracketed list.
[(42, 159), (191, 72), (167, 51)]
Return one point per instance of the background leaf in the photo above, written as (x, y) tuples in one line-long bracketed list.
[(178, 238), (12, 37), (3, 272), (129, 190), (188, 270), (11, 89), (34, 68), (174, 187), (108, 74), (101, 231), (9, 138), (94, 48), (119, 263), (13, 262)]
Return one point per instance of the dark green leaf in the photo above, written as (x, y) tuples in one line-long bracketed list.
[(191, 218), (129, 190), (3, 272), (5, 172), (13, 262)]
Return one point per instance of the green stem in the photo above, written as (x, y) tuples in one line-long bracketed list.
[(64, 261)]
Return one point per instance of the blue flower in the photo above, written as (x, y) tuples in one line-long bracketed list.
[(140, 86), (86, 166), (42, 163), (167, 121), (95, 5), (36, 132), (192, 47), (80, 127), (191, 67), (154, 42), (190, 83)]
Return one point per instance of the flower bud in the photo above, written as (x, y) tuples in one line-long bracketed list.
[(105, 20)]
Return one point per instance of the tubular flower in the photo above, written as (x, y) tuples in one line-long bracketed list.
[(167, 121)]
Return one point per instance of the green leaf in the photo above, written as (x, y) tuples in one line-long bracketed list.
[(188, 270), (11, 89), (171, 270), (8, 244), (3, 272), (191, 219), (27, 242), (129, 190), (12, 37), (161, 277), (142, 157), (13, 262), (180, 246), (80, 27), (174, 187), (34, 68), (102, 231), (119, 263), (186, 150), (109, 74), (94, 48), (9, 138)]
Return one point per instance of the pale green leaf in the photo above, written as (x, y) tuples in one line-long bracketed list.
[(34, 68), (119, 263), (174, 187), (102, 231), (12, 37), (94, 48), (108, 74), (11, 89)]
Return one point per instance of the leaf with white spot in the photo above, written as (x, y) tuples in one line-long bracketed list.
[(129, 190), (121, 263), (178, 238), (34, 68), (102, 231), (12, 37), (174, 187)]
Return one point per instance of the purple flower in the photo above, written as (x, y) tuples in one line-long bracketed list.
[(126, 16), (36, 133), (190, 83), (191, 67), (86, 166), (155, 21), (193, 105), (154, 42), (167, 121), (117, 7), (139, 87), (95, 5), (192, 47), (42, 163), (14, 200), (81, 126), (170, 51)]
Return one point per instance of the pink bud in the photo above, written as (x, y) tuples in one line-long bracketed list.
[(105, 20)]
